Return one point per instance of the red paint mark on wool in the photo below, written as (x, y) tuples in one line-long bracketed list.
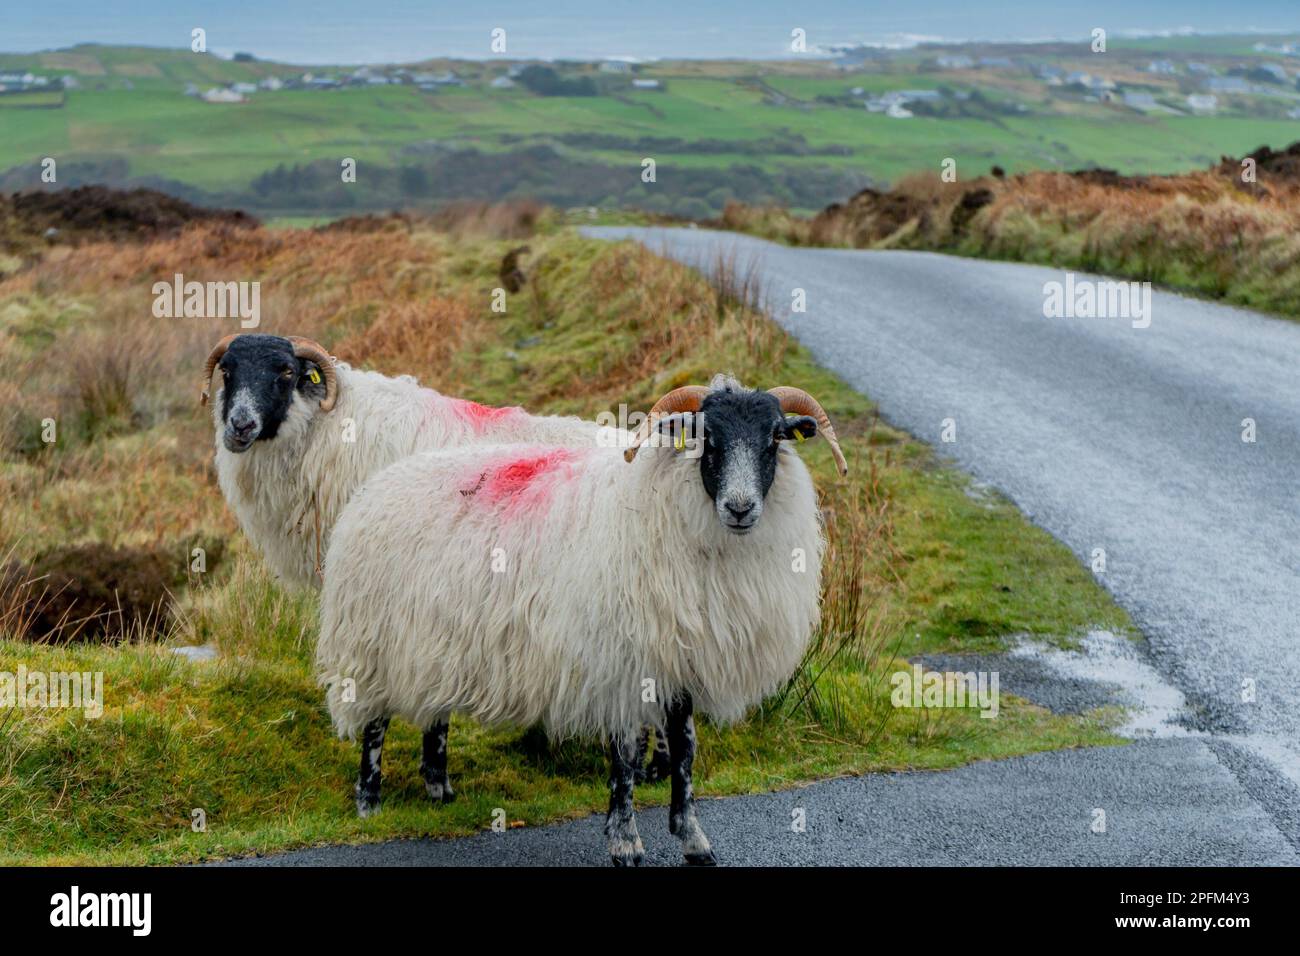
[(526, 482), (481, 416)]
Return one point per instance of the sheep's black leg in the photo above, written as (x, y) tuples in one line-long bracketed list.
[(642, 744), (660, 766), (682, 822), (625, 847), (433, 764), (372, 757)]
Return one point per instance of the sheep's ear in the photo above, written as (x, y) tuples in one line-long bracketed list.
[(311, 381), (798, 427)]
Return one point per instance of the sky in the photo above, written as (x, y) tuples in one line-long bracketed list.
[(386, 31)]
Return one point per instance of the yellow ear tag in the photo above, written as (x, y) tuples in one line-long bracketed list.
[(680, 443), (314, 376), (798, 435)]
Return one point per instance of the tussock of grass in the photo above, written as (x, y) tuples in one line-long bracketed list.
[(246, 738), (250, 616)]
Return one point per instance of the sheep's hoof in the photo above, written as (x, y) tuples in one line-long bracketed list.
[(696, 848), (707, 858), (368, 803), (439, 792), (626, 852)]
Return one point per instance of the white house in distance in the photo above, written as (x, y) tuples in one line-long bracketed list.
[(641, 84), (894, 103), (502, 83), (23, 81), (432, 81), (1202, 102), (216, 95)]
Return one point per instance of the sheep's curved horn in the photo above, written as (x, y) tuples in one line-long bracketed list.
[(307, 349), (214, 357), (799, 402), (684, 399)]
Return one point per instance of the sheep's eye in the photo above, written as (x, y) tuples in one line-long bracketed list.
[(287, 373)]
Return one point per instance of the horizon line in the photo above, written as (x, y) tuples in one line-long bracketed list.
[(818, 51)]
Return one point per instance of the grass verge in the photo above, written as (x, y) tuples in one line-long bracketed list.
[(1212, 233)]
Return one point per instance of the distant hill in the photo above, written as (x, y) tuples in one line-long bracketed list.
[(273, 137)]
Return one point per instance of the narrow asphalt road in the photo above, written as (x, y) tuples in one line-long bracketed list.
[(1169, 802), (1110, 437)]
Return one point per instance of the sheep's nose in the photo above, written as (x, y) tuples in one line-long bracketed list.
[(739, 512), (242, 425)]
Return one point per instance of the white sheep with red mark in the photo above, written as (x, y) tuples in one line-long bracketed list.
[(298, 432), (523, 584)]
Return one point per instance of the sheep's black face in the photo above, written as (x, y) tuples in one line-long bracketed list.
[(260, 376), (742, 431)]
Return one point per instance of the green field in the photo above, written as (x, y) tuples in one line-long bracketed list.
[(39, 99), (128, 120)]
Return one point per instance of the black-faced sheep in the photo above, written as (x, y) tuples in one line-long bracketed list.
[(297, 432), (529, 583)]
